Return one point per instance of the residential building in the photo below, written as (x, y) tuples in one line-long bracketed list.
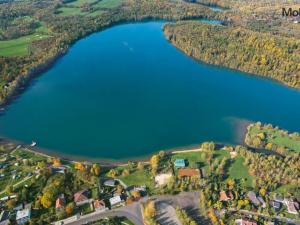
[(262, 201), (81, 197), (226, 196), (278, 198), (245, 222), (275, 205), (252, 197), (115, 200), (23, 216), (291, 206), (179, 163), (187, 172), (5, 222), (99, 205), (110, 183), (60, 202)]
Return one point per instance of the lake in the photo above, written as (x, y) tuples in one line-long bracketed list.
[(126, 92)]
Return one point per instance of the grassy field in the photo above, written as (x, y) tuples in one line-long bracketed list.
[(99, 6), (28, 155), (19, 46), (138, 178), (277, 137), (238, 170)]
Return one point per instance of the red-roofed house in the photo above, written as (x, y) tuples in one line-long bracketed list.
[(99, 205), (245, 222), (60, 203), (186, 172), (81, 197), (225, 196)]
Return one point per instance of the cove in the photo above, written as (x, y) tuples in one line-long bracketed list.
[(126, 92)]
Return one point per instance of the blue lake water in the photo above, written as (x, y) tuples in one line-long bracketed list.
[(126, 92)]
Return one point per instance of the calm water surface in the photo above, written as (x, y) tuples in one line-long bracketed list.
[(126, 92)]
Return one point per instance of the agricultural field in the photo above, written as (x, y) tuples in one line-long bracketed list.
[(88, 7)]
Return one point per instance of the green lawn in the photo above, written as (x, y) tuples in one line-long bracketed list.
[(138, 178), (238, 170), (79, 3), (191, 157), (109, 4), (19, 46), (28, 155), (276, 137)]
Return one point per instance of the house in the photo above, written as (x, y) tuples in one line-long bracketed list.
[(275, 205), (245, 222), (115, 200), (292, 207), (225, 196), (252, 197), (58, 169), (187, 172), (110, 183), (81, 197), (4, 215), (261, 200), (233, 154), (23, 216), (5, 222), (99, 205), (60, 202), (278, 198), (179, 163)]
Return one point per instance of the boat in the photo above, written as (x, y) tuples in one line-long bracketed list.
[(33, 144)]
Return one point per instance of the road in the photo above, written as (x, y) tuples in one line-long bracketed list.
[(132, 212), (187, 200), (282, 219)]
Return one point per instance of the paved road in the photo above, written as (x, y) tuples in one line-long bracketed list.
[(282, 219), (187, 200), (132, 212)]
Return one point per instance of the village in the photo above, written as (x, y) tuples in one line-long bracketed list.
[(210, 183)]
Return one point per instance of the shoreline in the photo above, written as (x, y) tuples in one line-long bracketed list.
[(104, 162)]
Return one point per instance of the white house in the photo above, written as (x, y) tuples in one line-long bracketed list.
[(23, 216), (115, 200)]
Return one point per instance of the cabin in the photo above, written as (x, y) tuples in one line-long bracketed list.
[(179, 163)]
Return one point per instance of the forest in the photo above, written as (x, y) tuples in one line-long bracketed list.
[(238, 48)]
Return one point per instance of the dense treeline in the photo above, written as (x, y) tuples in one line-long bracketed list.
[(15, 71), (272, 171), (239, 48)]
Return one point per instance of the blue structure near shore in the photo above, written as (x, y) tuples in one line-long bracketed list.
[(179, 163)]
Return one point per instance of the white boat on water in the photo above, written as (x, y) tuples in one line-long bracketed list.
[(33, 144)]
